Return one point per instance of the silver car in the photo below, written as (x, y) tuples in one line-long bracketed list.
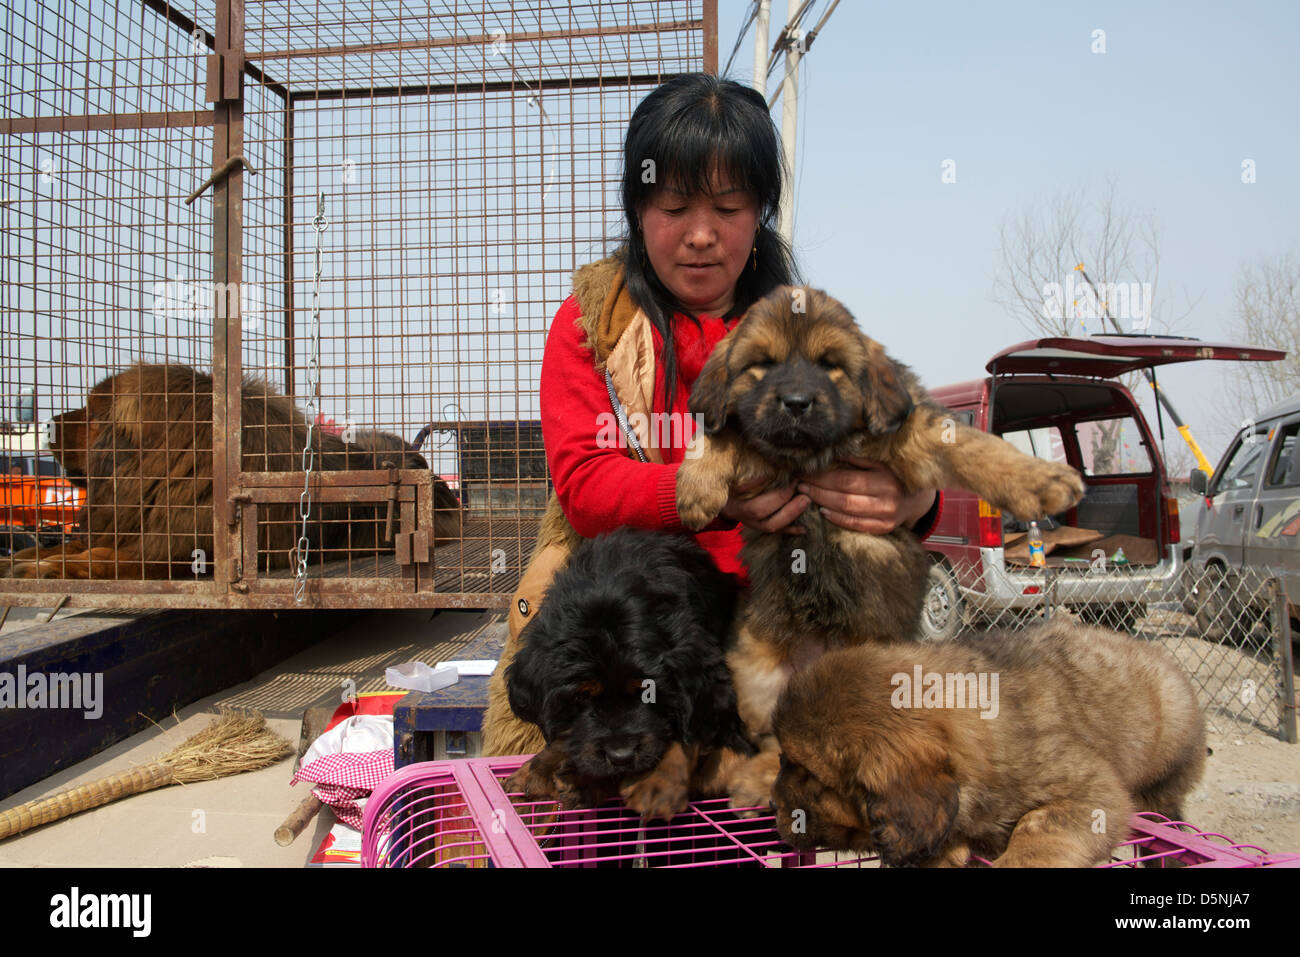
[(1249, 527)]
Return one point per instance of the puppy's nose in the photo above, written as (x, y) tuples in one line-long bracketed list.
[(620, 756), (796, 403)]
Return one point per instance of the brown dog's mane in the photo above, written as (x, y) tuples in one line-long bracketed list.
[(142, 448)]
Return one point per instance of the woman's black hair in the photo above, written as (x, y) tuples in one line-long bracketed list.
[(688, 128)]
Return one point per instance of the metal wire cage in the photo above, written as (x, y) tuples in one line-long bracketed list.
[(341, 232), (457, 814)]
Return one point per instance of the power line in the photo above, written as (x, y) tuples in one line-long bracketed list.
[(812, 34), (740, 37), (782, 43)]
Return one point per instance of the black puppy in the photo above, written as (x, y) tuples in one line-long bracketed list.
[(624, 670)]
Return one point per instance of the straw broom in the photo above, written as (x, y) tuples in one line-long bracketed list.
[(231, 744)]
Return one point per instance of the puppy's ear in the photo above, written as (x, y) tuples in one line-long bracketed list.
[(711, 395), (886, 402), (523, 681), (911, 807), (703, 698), (723, 724)]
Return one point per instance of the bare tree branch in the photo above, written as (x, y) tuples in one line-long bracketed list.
[(1120, 248), (1268, 314)]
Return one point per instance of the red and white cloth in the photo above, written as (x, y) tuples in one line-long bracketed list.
[(351, 758)]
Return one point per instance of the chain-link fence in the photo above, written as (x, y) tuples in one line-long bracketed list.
[(1231, 629)]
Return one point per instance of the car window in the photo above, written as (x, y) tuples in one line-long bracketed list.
[(1041, 443), (1284, 470), (1113, 447), (14, 465), (1242, 467)]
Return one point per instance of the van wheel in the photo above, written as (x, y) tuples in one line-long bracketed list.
[(1219, 614), (1115, 617), (1223, 616), (941, 615)]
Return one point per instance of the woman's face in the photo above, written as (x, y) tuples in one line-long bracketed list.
[(698, 243)]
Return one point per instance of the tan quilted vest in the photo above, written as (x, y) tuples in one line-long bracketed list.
[(619, 334)]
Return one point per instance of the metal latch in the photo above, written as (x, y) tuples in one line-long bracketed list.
[(412, 548), (225, 77), (234, 508), (394, 486), (220, 173)]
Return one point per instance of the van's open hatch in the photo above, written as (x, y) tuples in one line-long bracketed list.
[(1110, 356)]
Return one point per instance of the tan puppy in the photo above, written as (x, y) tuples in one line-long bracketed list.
[(794, 389), (1030, 749)]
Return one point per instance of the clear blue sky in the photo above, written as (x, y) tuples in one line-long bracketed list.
[(1012, 92)]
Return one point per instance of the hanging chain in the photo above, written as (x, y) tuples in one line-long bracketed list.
[(313, 394)]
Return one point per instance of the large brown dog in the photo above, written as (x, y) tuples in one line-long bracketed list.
[(1030, 749), (142, 449), (795, 388)]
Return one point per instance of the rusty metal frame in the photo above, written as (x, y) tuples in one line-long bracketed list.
[(236, 582)]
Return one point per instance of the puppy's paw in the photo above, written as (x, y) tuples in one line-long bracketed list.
[(701, 495), (957, 854), (751, 787), (663, 792), (1044, 488), (34, 569), (1059, 487), (545, 776), (531, 782), (657, 796)]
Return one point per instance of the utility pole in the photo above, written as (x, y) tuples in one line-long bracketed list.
[(790, 117), (761, 21)]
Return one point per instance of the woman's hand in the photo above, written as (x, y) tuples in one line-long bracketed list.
[(772, 511), (865, 498)]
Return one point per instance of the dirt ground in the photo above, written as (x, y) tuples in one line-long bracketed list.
[(1251, 789)]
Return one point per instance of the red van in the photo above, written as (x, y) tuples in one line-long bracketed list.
[(1058, 398)]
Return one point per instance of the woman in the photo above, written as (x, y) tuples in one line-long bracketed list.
[(701, 186)]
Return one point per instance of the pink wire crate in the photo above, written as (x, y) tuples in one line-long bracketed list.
[(1160, 842), (457, 814)]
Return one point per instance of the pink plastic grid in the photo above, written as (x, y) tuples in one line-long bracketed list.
[(1160, 842), (456, 814)]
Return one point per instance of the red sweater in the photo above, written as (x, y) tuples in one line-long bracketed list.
[(601, 489)]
